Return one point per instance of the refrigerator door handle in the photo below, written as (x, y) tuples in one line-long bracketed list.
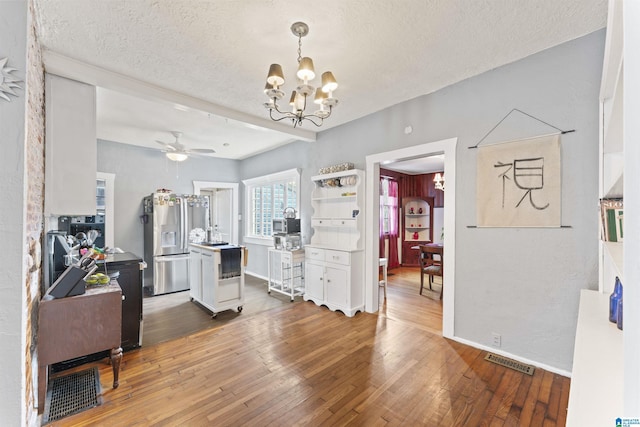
[(170, 258), (185, 232)]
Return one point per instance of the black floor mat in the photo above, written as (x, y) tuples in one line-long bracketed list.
[(70, 394)]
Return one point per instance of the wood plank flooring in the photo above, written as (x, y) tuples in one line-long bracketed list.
[(293, 364)]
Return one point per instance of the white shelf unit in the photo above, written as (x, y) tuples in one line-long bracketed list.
[(334, 259), (597, 365), (598, 359), (286, 272), (338, 219), (611, 168)]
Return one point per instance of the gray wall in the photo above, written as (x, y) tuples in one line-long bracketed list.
[(13, 45), (141, 171), (521, 283), (291, 156)]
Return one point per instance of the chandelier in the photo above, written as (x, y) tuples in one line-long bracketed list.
[(439, 181), (304, 92)]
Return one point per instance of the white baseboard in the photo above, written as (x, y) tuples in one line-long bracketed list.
[(512, 356)]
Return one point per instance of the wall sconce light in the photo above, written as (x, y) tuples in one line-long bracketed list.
[(439, 181)]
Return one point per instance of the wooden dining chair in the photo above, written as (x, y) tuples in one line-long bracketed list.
[(431, 264)]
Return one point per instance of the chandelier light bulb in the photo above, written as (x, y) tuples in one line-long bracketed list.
[(320, 97), (329, 83), (305, 70), (275, 76)]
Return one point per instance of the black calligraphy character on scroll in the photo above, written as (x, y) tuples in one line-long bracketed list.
[(528, 175)]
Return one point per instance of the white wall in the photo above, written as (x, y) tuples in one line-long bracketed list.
[(13, 45), (521, 283), (438, 224)]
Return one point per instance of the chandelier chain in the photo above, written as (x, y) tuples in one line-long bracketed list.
[(299, 48)]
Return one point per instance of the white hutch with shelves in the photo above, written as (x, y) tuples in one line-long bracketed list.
[(606, 358), (334, 260)]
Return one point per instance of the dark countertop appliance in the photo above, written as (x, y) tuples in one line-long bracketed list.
[(83, 224), (286, 226)]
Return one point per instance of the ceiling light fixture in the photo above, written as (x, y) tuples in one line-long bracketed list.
[(439, 181), (177, 156), (298, 100)]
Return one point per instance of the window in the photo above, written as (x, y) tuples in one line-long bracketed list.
[(388, 206), (266, 199)]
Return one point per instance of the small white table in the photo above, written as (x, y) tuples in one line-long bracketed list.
[(286, 272)]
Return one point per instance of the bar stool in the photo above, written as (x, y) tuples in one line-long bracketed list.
[(383, 263)]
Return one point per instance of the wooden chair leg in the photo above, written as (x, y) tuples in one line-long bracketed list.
[(430, 282), (421, 281)]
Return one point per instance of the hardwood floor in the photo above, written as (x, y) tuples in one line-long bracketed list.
[(300, 364), (171, 316)]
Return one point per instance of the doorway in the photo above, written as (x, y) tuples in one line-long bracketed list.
[(223, 207), (372, 221)]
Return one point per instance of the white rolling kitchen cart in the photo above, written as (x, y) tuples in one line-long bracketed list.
[(286, 272), (215, 283)]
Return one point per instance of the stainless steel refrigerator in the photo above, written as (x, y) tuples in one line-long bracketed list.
[(171, 222)]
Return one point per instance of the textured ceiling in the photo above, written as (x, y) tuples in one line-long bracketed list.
[(381, 52)]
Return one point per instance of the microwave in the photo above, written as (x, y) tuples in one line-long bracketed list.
[(286, 226)]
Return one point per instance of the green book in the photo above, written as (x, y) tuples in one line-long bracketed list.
[(611, 225), (619, 222)]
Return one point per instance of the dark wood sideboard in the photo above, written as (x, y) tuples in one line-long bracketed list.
[(76, 326)]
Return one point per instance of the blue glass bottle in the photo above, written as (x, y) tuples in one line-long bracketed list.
[(613, 301), (619, 322)]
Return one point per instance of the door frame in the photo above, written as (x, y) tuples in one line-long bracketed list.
[(372, 222), (235, 209), (109, 211)]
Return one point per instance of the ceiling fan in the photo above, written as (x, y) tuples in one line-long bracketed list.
[(178, 152)]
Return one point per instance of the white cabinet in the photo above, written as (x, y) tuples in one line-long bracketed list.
[(195, 274), (314, 281), (334, 260), (208, 281), (70, 147), (212, 286), (334, 278)]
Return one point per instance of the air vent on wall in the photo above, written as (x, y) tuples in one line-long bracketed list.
[(510, 363)]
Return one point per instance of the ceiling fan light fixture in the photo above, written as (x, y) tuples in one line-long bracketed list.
[(298, 101), (176, 157)]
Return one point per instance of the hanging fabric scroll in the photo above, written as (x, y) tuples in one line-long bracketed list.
[(519, 183)]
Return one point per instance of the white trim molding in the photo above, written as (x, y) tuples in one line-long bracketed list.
[(235, 203), (372, 213)]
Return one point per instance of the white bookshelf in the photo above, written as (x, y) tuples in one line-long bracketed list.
[(597, 380)]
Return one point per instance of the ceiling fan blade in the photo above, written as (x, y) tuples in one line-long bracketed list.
[(169, 146), (202, 150)]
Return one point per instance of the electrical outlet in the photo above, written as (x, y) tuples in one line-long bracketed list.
[(497, 339)]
